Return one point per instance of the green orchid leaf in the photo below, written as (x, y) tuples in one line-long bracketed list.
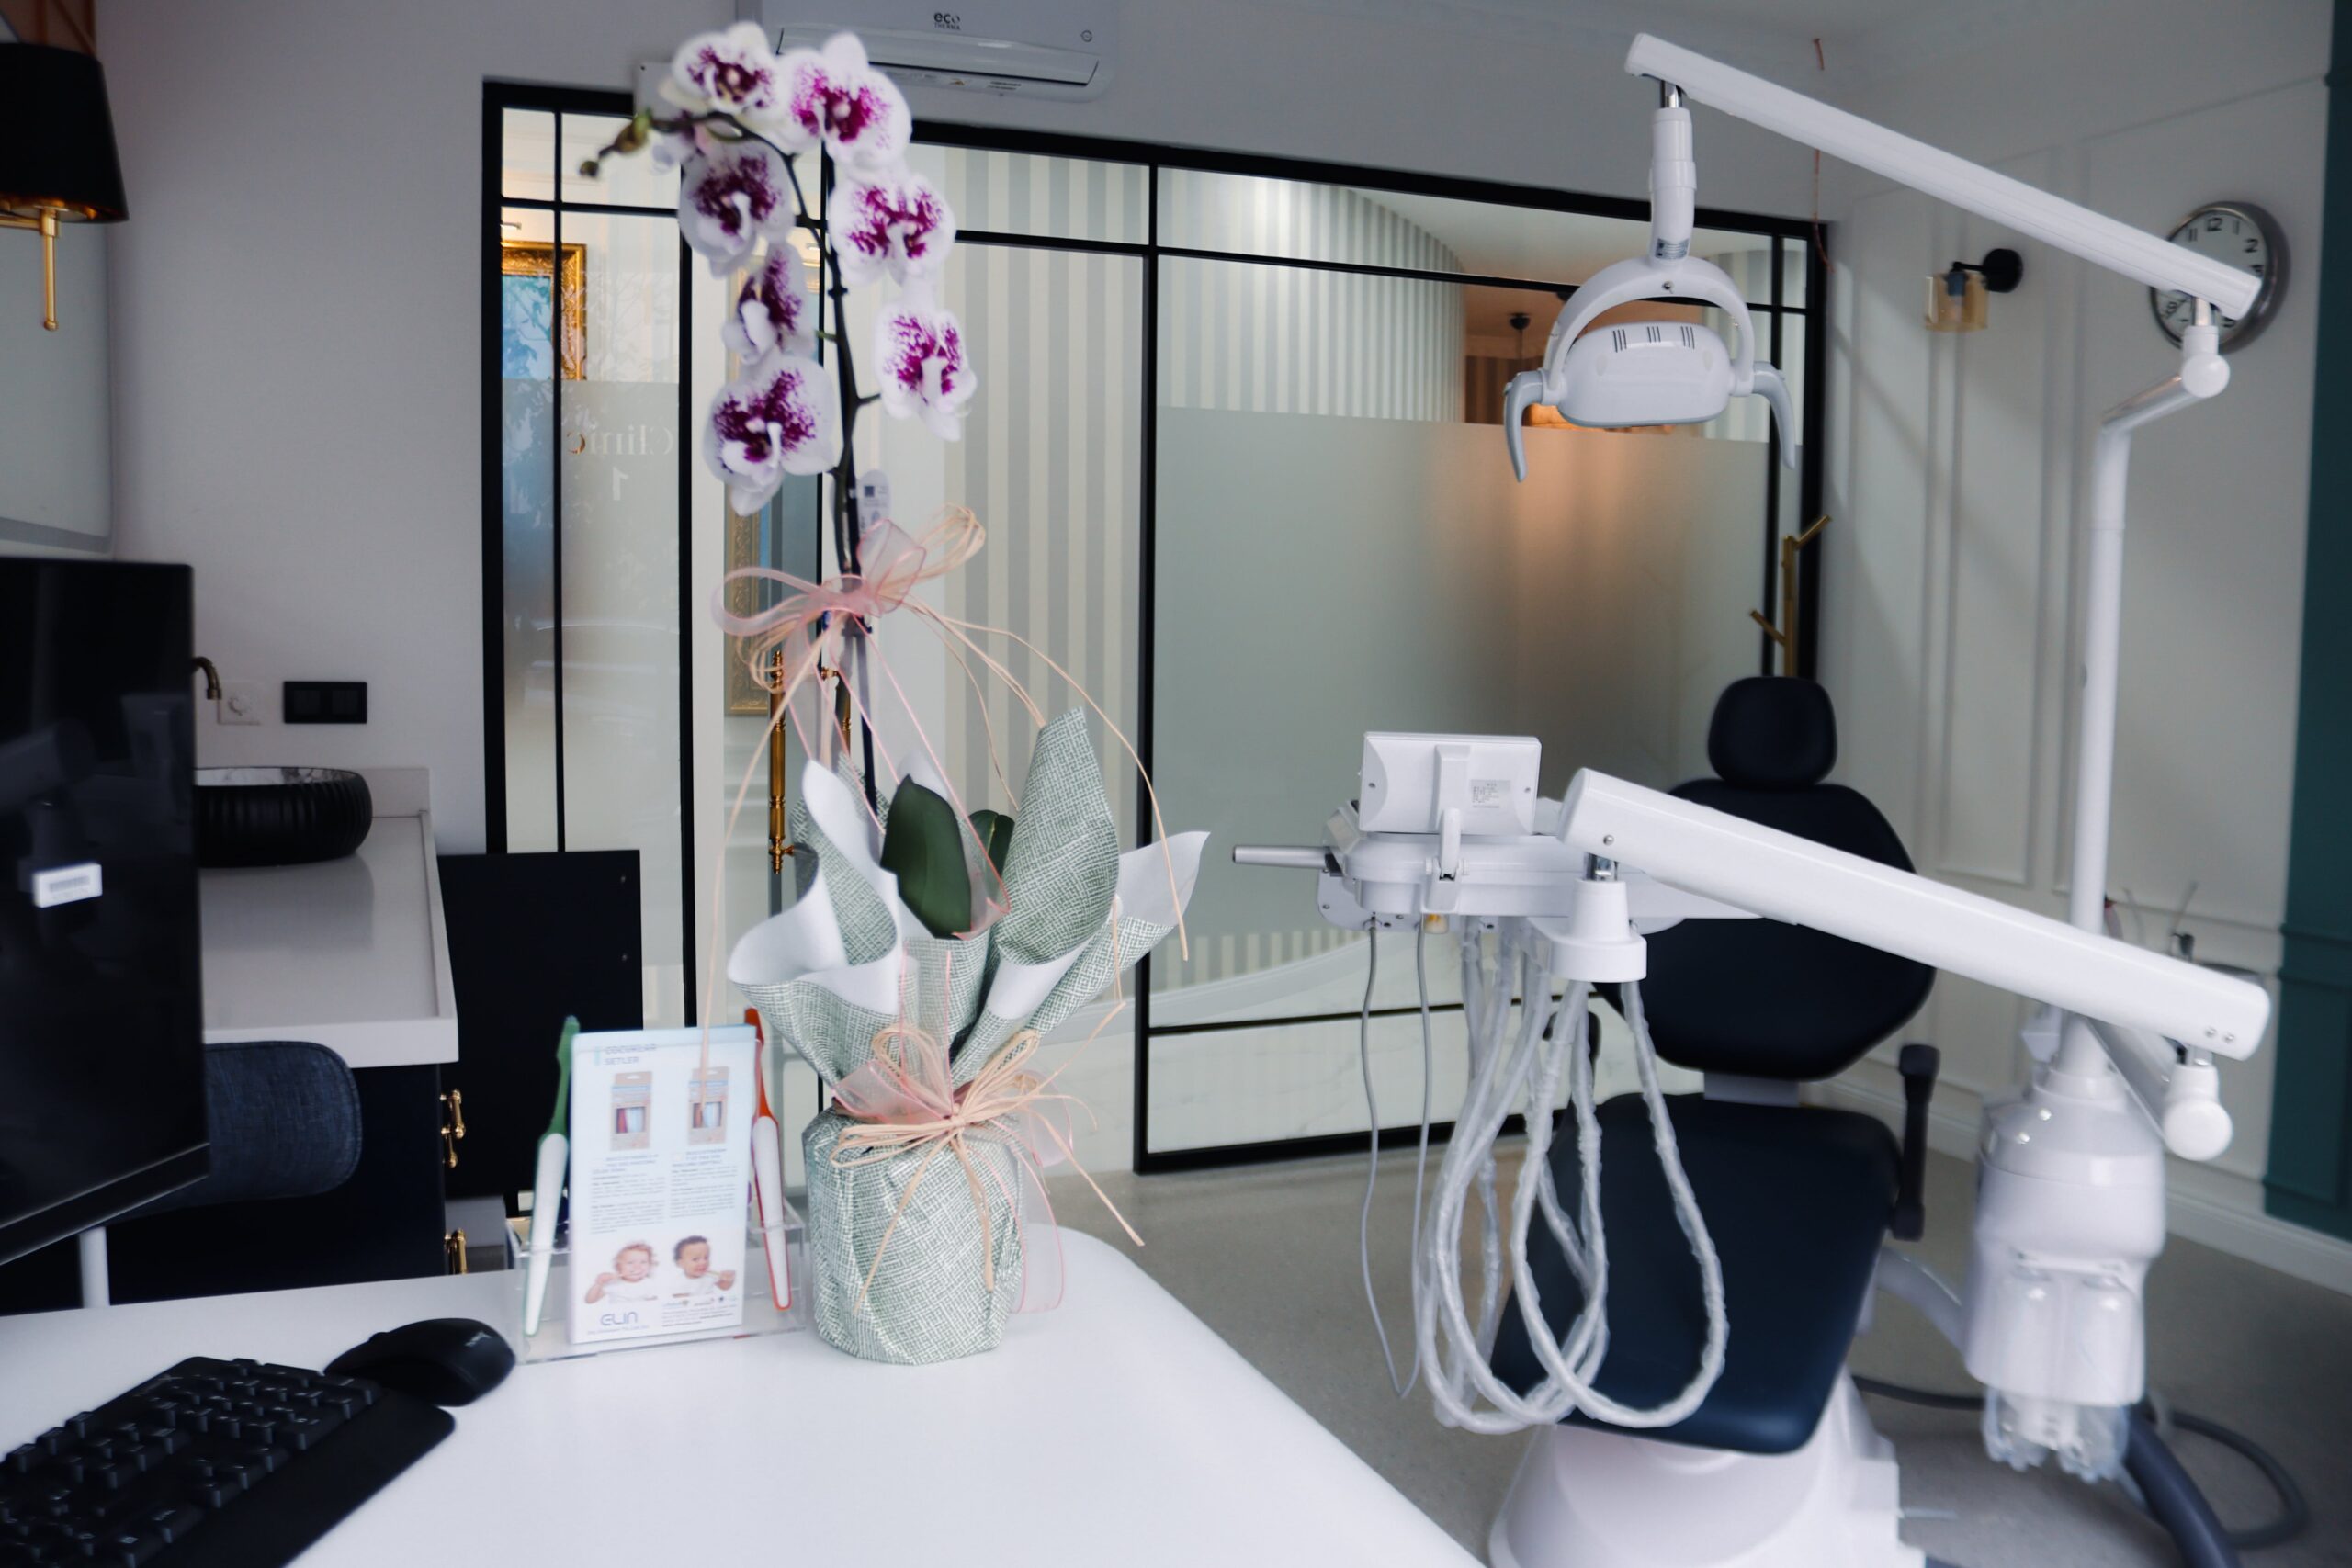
[(995, 830), (923, 849)]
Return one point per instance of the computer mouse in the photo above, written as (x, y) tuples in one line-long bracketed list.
[(448, 1361)]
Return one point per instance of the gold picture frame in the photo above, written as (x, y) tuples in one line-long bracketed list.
[(537, 258)]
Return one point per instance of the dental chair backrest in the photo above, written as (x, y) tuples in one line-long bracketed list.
[(1759, 998)]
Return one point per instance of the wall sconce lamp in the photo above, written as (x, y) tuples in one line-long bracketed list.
[(1956, 295), (57, 156)]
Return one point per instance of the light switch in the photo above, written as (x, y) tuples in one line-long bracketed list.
[(241, 701)]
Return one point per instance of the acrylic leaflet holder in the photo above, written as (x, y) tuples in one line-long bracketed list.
[(554, 1342), (659, 1149)]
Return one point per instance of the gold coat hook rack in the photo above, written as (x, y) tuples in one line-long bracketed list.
[(1785, 634)]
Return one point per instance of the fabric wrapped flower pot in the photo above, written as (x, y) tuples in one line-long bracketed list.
[(929, 1223), (916, 1259)]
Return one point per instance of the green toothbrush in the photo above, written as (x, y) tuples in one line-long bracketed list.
[(547, 1185)]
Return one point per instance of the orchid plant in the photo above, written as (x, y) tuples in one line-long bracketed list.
[(741, 114)]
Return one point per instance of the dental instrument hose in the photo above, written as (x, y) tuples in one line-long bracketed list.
[(1372, 1115), (1506, 1064)]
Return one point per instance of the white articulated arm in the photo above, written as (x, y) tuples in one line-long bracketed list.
[(1781, 875)]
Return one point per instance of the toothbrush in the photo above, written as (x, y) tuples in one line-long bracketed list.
[(547, 1186), (767, 1176)]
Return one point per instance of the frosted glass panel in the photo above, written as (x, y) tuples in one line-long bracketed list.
[(636, 180), (619, 452), (1341, 547), (529, 311), (526, 153), (1051, 460), (1318, 578)]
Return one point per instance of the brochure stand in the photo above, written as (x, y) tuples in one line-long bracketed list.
[(553, 1342)]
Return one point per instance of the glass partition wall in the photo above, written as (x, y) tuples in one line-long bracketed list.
[(1235, 448), (1340, 547)]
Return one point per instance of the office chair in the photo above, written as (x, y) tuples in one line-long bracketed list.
[(286, 1121), (1779, 1465)]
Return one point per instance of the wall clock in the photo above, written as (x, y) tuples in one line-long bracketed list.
[(2244, 235)]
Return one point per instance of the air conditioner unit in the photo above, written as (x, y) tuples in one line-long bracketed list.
[(1030, 49)]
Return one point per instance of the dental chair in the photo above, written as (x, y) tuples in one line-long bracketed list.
[(1780, 1465)]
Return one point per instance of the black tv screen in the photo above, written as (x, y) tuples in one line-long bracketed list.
[(101, 1014)]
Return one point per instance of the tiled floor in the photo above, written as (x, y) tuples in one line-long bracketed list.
[(1267, 1257)]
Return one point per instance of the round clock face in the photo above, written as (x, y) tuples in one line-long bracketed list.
[(2243, 235)]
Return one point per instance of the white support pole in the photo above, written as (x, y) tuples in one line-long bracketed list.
[(2202, 374)]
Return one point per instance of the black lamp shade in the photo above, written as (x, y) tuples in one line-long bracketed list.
[(57, 135)]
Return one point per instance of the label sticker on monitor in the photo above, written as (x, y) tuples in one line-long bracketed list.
[(67, 884)]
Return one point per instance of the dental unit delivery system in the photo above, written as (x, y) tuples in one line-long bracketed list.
[(2071, 1197), (1450, 824)]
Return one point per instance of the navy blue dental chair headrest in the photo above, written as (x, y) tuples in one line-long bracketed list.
[(1772, 732), (1758, 998)]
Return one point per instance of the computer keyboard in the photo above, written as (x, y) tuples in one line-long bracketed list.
[(237, 1464)]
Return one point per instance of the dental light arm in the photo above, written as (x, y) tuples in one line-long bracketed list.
[(2011, 203)]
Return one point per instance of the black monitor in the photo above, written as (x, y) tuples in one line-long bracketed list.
[(101, 1017)]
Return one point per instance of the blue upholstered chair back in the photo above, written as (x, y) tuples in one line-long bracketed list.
[(284, 1116), (1759, 998)]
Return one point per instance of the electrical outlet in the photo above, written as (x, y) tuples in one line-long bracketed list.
[(241, 701)]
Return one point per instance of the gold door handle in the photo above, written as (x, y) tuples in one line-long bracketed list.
[(453, 1125)]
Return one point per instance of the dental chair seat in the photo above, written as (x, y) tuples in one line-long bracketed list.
[(1797, 1199)]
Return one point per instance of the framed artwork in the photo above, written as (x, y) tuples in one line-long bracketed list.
[(543, 311)]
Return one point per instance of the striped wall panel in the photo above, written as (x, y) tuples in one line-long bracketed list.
[(1254, 336)]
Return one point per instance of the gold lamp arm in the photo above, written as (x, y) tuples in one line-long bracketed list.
[(43, 222)]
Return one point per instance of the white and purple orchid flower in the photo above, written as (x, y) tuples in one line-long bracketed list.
[(776, 311), (890, 225), (730, 198), (732, 73), (783, 418), (919, 352), (832, 95)]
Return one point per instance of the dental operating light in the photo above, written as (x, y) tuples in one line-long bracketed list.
[(1644, 373)]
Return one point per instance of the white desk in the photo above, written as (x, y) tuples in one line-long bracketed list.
[(351, 953), (1116, 1430)]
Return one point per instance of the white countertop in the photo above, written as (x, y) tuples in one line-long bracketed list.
[(1115, 1428), (351, 953)]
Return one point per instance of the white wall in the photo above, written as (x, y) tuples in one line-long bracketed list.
[(1956, 480), (299, 331), (295, 302)]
